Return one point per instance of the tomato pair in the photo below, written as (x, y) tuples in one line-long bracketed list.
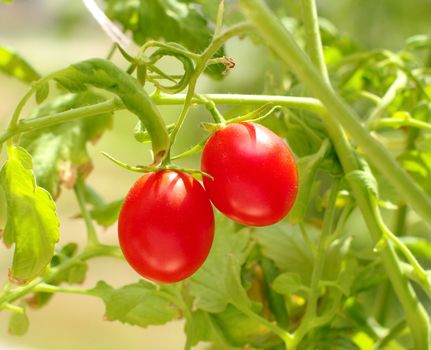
[(166, 225)]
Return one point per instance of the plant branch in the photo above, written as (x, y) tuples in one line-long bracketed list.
[(312, 31), (12, 295), (80, 196), (279, 39), (201, 64), (284, 335), (273, 32), (399, 83), (26, 125), (318, 266)]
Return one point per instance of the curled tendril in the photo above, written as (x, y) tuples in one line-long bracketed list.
[(187, 63)]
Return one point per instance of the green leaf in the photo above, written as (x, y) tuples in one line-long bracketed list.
[(418, 164), (347, 275), (288, 283), (327, 338), (19, 323), (61, 151), (307, 169), (336, 255), (364, 177), (217, 282), (15, 66), (239, 330), (198, 328), (107, 214), (77, 273), (420, 247), (32, 223), (283, 244), (301, 146), (74, 275), (140, 304), (42, 93), (183, 23), (103, 74), (366, 278)]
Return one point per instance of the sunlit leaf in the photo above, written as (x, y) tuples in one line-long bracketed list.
[(32, 223), (12, 64), (140, 304), (60, 152)]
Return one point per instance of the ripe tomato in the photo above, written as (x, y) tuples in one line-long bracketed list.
[(255, 176), (166, 226)]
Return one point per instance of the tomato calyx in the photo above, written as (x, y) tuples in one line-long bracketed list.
[(255, 116), (152, 168)]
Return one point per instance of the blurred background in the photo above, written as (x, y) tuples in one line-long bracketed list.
[(52, 34)]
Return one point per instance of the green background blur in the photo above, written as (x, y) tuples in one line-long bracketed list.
[(54, 33)]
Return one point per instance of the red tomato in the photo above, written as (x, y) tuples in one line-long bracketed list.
[(166, 226), (255, 176)]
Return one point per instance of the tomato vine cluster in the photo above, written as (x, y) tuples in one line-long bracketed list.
[(166, 225)]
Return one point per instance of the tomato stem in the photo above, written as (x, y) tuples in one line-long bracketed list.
[(201, 64), (163, 166)]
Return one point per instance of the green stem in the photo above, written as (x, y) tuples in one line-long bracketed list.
[(307, 103), (284, 44), (80, 196), (399, 83), (307, 239), (394, 332), (48, 288), (216, 43), (148, 169), (284, 335), (36, 85), (319, 263), (312, 31), (12, 308), (399, 122), (90, 252), (112, 105), (33, 124), (212, 108)]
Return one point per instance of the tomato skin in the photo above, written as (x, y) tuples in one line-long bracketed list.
[(166, 226), (255, 176)]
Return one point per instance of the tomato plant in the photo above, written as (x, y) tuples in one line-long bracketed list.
[(254, 174), (320, 151), (166, 226)]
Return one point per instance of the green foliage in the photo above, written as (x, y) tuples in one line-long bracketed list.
[(12, 64), (75, 274), (32, 223), (105, 75), (239, 330), (228, 253), (278, 239), (19, 323), (418, 164), (105, 214), (140, 304), (182, 22), (60, 152), (302, 281)]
